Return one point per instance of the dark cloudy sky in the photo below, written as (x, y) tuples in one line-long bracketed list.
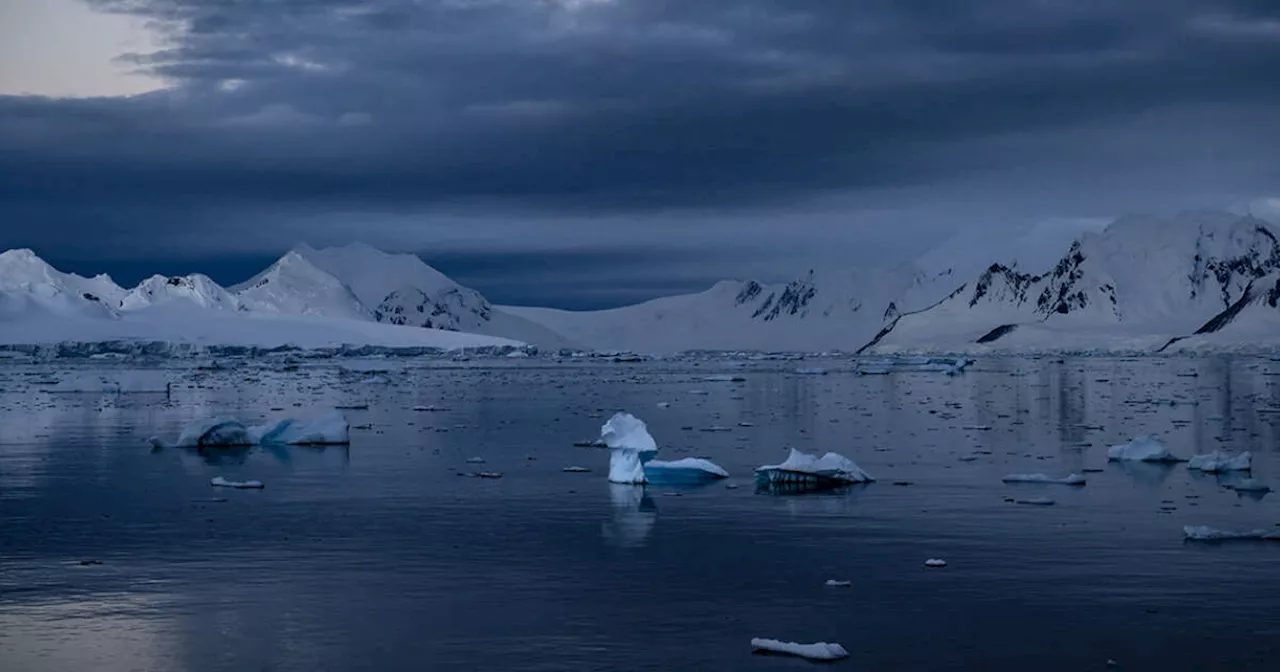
[(591, 152)]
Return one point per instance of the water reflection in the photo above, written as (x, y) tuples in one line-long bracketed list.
[(1149, 474), (634, 515)]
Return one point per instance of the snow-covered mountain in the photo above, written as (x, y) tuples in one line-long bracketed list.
[(199, 290), (1251, 323), (29, 285), (1141, 281), (291, 303), (359, 282)]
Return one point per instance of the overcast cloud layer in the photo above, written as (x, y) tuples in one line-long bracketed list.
[(750, 134)]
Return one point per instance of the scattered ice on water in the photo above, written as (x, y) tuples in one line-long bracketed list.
[(220, 482)]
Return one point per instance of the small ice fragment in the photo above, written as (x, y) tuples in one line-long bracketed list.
[(811, 371), (723, 378), (475, 460), (1249, 485), (1145, 448), (664, 404), (968, 458), (429, 408), (1218, 461), (935, 562), (976, 428), (220, 482), (833, 583), (1206, 533), (487, 474), (1071, 479), (818, 651), (576, 470), (1036, 501)]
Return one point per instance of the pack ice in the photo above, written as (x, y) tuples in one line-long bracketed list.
[(632, 450), (330, 429), (809, 472), (1145, 448)]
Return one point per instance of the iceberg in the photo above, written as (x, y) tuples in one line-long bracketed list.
[(1250, 485), (1206, 533), (818, 651), (803, 471), (1071, 479), (1218, 461), (1145, 448), (220, 482), (690, 470), (330, 429), (632, 450)]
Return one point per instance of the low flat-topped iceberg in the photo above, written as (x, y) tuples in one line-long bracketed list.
[(1071, 479), (1145, 448), (1218, 461), (632, 450), (1206, 533), (220, 482), (330, 429), (802, 471), (817, 651)]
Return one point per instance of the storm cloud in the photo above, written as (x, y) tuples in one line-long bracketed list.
[(557, 121)]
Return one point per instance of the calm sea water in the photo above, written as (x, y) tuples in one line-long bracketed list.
[(382, 557)]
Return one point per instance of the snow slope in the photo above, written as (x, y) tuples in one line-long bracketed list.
[(179, 324), (820, 311)]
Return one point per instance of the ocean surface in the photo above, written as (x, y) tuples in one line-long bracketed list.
[(388, 555)]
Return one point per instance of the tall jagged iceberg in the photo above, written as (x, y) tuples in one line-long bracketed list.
[(632, 450)]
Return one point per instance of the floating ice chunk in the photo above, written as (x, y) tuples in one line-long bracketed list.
[(935, 563), (475, 460), (811, 371), (812, 472), (833, 583), (723, 378), (1218, 461), (220, 482), (818, 651), (575, 470), (1145, 448), (624, 430), (958, 366), (1249, 485), (689, 470), (1206, 533), (1071, 479), (1035, 501), (215, 432), (330, 429)]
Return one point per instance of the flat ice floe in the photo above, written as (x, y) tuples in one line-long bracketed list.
[(220, 482), (1071, 479), (1249, 485), (817, 651), (1218, 461), (329, 429), (1145, 448), (1206, 533)]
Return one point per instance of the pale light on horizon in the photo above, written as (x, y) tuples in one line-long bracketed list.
[(65, 49)]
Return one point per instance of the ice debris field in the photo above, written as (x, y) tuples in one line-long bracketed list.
[(1069, 441)]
